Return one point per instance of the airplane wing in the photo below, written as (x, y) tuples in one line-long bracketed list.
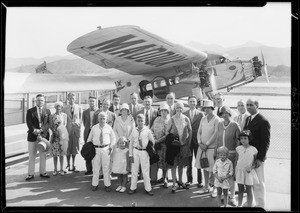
[(132, 50), (20, 83)]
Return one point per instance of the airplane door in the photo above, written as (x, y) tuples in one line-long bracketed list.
[(160, 87), (145, 89)]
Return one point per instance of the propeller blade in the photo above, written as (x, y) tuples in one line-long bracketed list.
[(264, 66)]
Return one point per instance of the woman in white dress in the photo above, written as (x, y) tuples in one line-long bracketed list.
[(206, 137)]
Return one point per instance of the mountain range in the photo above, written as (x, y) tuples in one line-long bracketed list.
[(274, 57)]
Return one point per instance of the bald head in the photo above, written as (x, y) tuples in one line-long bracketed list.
[(252, 106), (241, 106)]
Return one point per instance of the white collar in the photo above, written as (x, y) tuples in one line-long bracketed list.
[(253, 116)]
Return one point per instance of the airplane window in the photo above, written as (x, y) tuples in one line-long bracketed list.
[(171, 82), (155, 84), (176, 80), (149, 87), (163, 83)]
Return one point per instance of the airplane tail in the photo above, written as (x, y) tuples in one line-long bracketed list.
[(42, 68)]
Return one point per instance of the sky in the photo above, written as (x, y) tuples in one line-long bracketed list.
[(43, 31)]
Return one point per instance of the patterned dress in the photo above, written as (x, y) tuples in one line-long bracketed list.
[(159, 128), (183, 126), (223, 169), (56, 147)]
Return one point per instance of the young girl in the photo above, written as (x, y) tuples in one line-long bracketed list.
[(120, 163), (245, 173), (222, 170)]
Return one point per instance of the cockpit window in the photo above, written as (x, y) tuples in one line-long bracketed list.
[(148, 87)]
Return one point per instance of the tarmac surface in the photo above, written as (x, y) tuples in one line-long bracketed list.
[(74, 189)]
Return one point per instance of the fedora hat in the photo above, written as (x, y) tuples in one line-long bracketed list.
[(208, 103)]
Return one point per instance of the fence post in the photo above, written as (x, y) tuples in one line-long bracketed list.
[(23, 110)]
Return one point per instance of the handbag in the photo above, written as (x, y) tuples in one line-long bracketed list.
[(175, 141), (154, 157), (204, 161)]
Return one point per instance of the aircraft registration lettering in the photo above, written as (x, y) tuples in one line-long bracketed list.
[(153, 57)]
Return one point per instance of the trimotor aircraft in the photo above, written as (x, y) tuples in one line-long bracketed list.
[(150, 65), (153, 66)]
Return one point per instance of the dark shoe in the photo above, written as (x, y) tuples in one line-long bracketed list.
[(183, 185), (74, 169), (67, 169), (45, 175), (107, 189), (100, 176), (153, 182), (188, 183), (131, 191), (94, 188), (160, 180), (150, 192), (88, 173), (29, 177), (174, 188), (200, 185)]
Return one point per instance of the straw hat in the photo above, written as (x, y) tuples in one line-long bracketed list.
[(43, 145)]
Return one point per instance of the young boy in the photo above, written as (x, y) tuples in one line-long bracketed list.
[(138, 155)]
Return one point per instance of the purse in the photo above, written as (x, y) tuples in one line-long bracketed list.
[(175, 141), (204, 161)]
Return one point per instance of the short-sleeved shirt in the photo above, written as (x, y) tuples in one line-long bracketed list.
[(108, 135)]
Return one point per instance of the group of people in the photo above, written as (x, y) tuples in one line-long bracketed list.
[(234, 146)]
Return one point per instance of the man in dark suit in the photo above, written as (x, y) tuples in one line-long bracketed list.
[(38, 121), (111, 117), (260, 129), (148, 111), (88, 121), (195, 117), (115, 106)]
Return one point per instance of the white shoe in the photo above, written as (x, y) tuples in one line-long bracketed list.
[(119, 188), (214, 193), (123, 189), (232, 202)]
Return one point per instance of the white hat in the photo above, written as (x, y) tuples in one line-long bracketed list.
[(43, 145), (179, 104), (124, 106), (58, 103), (208, 103), (164, 106)]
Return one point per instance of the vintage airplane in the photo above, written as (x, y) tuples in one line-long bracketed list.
[(151, 66), (154, 66)]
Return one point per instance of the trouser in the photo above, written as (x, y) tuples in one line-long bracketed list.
[(140, 157), (189, 170), (32, 150), (153, 171), (88, 164), (259, 190), (101, 160)]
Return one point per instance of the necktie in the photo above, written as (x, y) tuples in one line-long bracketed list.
[(147, 118), (72, 111), (140, 139), (101, 137), (248, 121), (40, 115), (239, 120), (192, 115), (133, 109)]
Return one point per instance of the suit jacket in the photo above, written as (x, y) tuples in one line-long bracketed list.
[(117, 112), (138, 107), (111, 117), (195, 123), (86, 119), (73, 119), (153, 114), (32, 122), (260, 129)]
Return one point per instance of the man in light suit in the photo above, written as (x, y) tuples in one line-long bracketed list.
[(115, 106), (111, 117), (195, 117), (88, 122), (148, 111), (38, 120), (170, 98), (219, 102), (74, 113), (260, 129), (243, 114), (134, 106)]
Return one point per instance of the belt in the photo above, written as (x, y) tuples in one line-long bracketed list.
[(140, 149), (101, 146), (232, 151)]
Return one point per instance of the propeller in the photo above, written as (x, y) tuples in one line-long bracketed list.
[(264, 66)]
